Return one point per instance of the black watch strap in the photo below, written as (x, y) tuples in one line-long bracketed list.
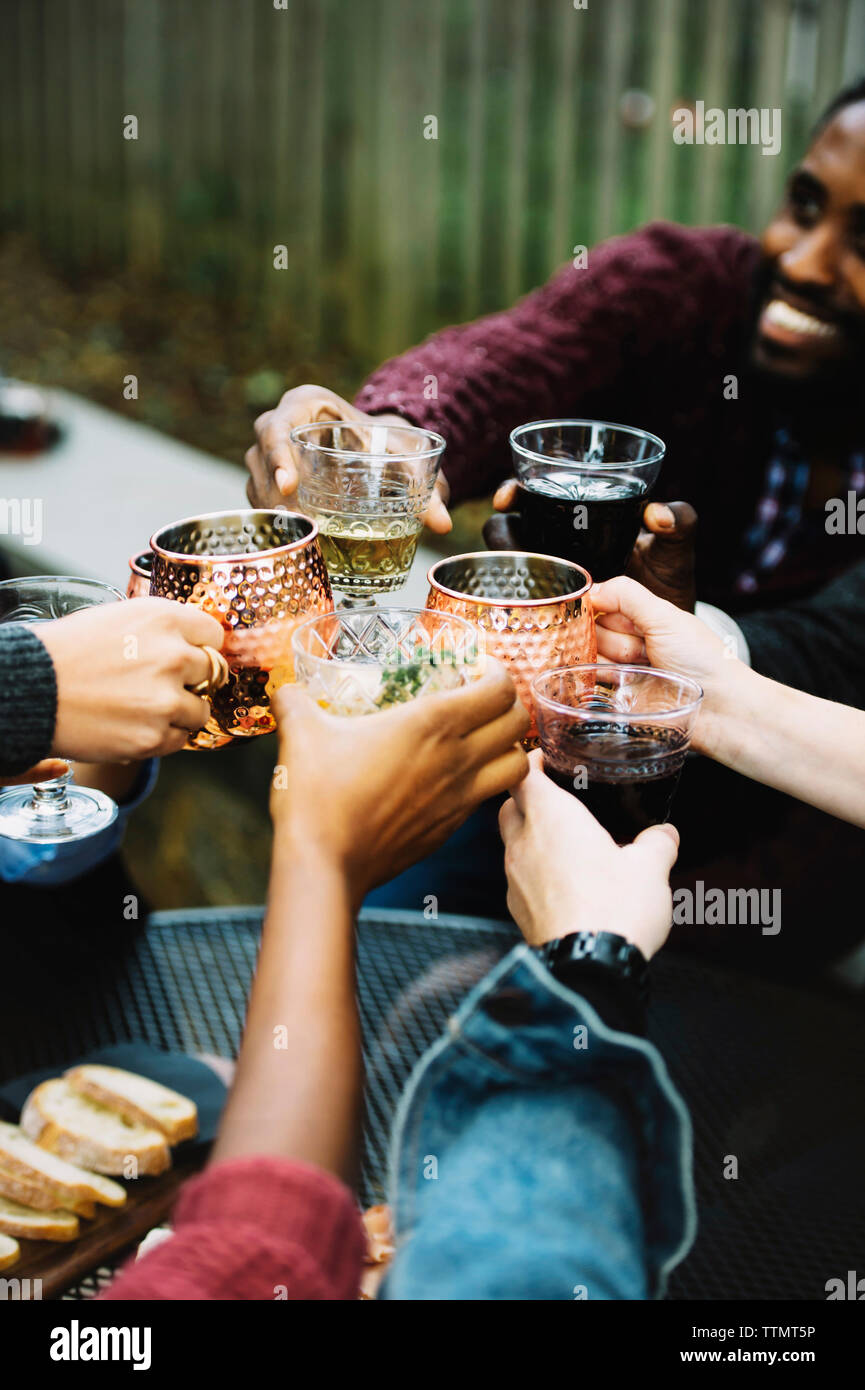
[(605, 955)]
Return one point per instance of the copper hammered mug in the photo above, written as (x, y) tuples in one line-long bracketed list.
[(140, 570), (534, 611), (260, 574)]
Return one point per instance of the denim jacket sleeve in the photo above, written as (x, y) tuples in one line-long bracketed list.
[(537, 1154)]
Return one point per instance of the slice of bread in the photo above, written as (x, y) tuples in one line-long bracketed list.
[(138, 1099), (20, 1156), (41, 1195), (27, 1224), (59, 1119), (10, 1251)]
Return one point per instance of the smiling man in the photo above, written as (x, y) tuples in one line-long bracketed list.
[(747, 357)]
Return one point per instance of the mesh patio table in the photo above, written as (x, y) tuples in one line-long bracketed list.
[(772, 1074)]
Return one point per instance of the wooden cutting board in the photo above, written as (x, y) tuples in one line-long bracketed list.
[(61, 1264)]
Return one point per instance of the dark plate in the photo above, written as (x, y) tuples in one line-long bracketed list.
[(186, 1075)]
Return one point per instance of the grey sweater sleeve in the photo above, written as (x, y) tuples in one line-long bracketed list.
[(817, 644), (28, 699)]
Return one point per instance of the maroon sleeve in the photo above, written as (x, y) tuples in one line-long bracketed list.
[(635, 306), (254, 1228)]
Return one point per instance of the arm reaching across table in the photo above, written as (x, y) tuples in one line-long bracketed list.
[(353, 801), (810, 748)]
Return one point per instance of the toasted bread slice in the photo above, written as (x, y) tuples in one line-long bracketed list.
[(10, 1251), (81, 1130), (28, 1224), (138, 1099), (20, 1156), (41, 1195)]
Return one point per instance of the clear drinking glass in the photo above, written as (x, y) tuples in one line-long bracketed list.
[(54, 812), (582, 487), (617, 737), (362, 660), (367, 487)]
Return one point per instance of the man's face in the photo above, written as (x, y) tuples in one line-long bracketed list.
[(811, 321)]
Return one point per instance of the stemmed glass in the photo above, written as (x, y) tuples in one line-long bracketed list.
[(57, 811), (367, 487)]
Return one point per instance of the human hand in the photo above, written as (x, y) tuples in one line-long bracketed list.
[(272, 461), (663, 558), (44, 771), (566, 874), (503, 530), (121, 671), (638, 628), (380, 791)]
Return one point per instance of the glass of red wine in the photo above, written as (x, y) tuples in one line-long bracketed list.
[(617, 737), (581, 489)]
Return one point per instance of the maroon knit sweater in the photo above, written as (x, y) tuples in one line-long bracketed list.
[(645, 335), (254, 1228), (651, 325)]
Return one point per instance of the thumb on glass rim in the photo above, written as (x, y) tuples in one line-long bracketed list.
[(673, 522), (290, 701), (505, 495), (437, 517)]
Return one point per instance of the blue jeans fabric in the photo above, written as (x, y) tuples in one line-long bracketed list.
[(546, 1157)]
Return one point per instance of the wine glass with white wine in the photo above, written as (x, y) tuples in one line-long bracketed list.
[(367, 487)]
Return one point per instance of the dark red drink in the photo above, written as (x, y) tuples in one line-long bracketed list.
[(625, 773), (591, 520)]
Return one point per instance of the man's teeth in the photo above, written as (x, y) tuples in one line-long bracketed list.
[(785, 316)]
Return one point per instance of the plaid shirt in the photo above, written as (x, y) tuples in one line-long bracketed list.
[(779, 515)]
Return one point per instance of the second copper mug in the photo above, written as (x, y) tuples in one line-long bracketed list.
[(259, 573), (534, 611), (140, 570)]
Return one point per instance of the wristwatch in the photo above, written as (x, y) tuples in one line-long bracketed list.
[(603, 954)]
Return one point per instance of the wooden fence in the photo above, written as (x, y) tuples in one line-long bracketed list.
[(421, 160)]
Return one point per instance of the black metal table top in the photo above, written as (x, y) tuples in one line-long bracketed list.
[(772, 1074)]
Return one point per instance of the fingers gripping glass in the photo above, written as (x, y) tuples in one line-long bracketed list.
[(617, 737), (582, 487), (367, 487), (259, 574)]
